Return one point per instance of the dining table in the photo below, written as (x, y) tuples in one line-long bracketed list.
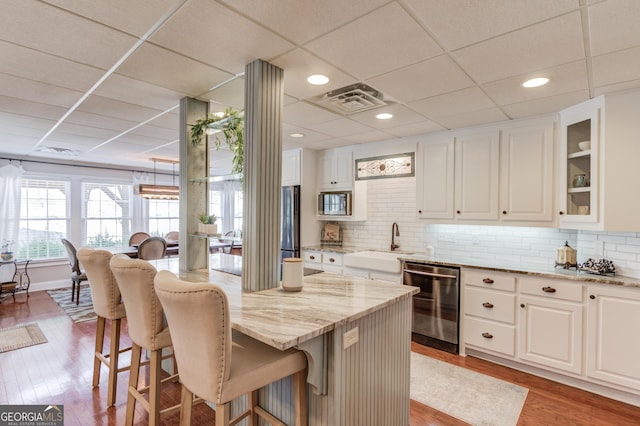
[(132, 250)]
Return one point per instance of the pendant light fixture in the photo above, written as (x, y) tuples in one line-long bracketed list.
[(159, 192)]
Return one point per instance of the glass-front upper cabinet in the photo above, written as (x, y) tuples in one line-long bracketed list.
[(579, 178)]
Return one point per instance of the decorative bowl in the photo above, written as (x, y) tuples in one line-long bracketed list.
[(6, 256), (584, 145)]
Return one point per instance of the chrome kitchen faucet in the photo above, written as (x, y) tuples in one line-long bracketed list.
[(393, 235)]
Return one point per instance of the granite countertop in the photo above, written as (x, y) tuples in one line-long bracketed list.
[(282, 319), (523, 268), (332, 249)]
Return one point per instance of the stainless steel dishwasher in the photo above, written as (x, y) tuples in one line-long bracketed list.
[(436, 308)]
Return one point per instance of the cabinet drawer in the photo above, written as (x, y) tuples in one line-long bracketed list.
[(489, 304), (312, 257), (490, 335), (551, 288), (334, 259), (489, 279), (333, 269)]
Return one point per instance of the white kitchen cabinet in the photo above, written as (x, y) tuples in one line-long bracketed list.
[(550, 323), (476, 175), (312, 259), (332, 262), (291, 167), (488, 311), (335, 170), (373, 275), (526, 172), (612, 341), (435, 177), (579, 198)]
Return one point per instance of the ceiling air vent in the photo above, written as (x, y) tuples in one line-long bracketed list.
[(351, 99)]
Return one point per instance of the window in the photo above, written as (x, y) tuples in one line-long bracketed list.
[(226, 202), (164, 216), (44, 218), (107, 214)]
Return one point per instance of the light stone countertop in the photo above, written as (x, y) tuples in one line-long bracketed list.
[(285, 319), (523, 268)]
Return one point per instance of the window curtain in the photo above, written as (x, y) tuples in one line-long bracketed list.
[(139, 205), (10, 177)]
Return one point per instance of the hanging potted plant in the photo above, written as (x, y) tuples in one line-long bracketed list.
[(231, 128), (6, 253), (207, 224)]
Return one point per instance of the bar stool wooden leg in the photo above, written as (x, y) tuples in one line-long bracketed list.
[(134, 373), (252, 403), (223, 414), (154, 387), (300, 397), (114, 354), (97, 362), (186, 405)]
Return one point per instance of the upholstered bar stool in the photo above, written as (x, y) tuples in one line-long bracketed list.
[(108, 306), (216, 366), (147, 329)]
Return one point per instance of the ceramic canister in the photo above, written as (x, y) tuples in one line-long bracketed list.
[(292, 274)]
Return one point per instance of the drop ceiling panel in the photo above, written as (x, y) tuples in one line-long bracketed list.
[(30, 109), (136, 92), (472, 118), (427, 78), (16, 145), (562, 79), (145, 142), (133, 17), (465, 100), (372, 136), (8, 120), (614, 26), (401, 115), (80, 130), (208, 31), (382, 41), (309, 135), (300, 64), (303, 20), (99, 121), (230, 94), (30, 132), (340, 127), (161, 67), (461, 23), (52, 30), (33, 65), (548, 105), (629, 85), (422, 127), (303, 114), (169, 120), (539, 46), (616, 67), (156, 132), (117, 109), (37, 92)]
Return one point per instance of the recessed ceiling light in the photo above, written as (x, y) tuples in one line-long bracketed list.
[(297, 135), (535, 82), (318, 79), (384, 116)]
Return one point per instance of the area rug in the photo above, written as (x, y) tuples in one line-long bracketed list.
[(21, 336), (475, 398), (78, 313)]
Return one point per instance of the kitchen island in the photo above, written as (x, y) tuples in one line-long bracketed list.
[(356, 334)]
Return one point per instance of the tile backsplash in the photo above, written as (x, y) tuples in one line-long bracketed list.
[(393, 200)]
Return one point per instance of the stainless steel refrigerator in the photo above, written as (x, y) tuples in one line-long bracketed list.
[(290, 227)]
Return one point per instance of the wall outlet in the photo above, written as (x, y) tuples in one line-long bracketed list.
[(349, 338)]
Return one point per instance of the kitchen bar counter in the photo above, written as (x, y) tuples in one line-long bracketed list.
[(350, 328), (522, 268)]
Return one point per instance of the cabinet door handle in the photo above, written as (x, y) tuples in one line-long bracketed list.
[(561, 213), (487, 335), (548, 289), (487, 305), (457, 211), (504, 212), (420, 211), (592, 297), (522, 305), (487, 281), (312, 257), (331, 259)]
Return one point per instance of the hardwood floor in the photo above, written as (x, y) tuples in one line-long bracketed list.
[(60, 372)]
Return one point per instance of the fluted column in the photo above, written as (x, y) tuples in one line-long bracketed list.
[(262, 169)]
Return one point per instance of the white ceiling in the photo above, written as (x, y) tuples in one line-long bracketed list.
[(104, 78)]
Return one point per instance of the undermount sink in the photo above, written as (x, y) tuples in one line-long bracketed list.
[(384, 261)]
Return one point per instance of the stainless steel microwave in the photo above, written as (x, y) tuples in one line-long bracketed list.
[(335, 203)]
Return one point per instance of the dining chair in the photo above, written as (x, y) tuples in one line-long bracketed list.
[(148, 330), (172, 236), (152, 248), (234, 247), (107, 305), (77, 274), (218, 365), (138, 237)]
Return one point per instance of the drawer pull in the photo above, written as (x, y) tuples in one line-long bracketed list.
[(487, 335), (331, 259), (312, 257), (487, 305), (487, 281), (548, 289), (592, 297)]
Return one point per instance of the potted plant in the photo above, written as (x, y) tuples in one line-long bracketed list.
[(207, 224), (6, 253), (231, 126)]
